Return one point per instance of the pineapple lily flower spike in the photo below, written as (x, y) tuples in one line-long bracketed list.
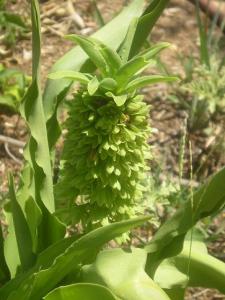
[(106, 151)]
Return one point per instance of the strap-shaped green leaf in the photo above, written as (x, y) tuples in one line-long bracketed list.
[(154, 50), (77, 76), (193, 267), (86, 291), (168, 241), (128, 70), (123, 272), (112, 58), (92, 50), (45, 259), (205, 270), (22, 233), (32, 110), (12, 259), (105, 58), (145, 80), (4, 271), (125, 48), (146, 23), (42, 279), (93, 86), (38, 184), (138, 63)]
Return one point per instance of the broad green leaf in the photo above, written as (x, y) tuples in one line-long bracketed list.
[(31, 211), (123, 272), (93, 86), (154, 50), (90, 46), (138, 63), (12, 258), (22, 233), (43, 280), (125, 48), (4, 271), (80, 77), (119, 100), (106, 59), (38, 153), (36, 182), (167, 276), (44, 260), (146, 23), (128, 70), (145, 80), (205, 270), (168, 241), (52, 124), (194, 263), (47, 257), (81, 291), (112, 58)]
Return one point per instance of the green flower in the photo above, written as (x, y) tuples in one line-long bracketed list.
[(106, 147)]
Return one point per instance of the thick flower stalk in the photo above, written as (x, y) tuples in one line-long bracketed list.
[(106, 147)]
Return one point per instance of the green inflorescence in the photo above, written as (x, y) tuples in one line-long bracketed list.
[(106, 147), (106, 150)]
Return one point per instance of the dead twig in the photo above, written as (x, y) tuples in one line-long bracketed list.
[(8, 140), (74, 15), (18, 161)]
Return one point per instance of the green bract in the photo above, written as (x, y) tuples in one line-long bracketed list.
[(106, 150)]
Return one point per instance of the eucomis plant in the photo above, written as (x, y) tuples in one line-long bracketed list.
[(104, 161), (106, 152)]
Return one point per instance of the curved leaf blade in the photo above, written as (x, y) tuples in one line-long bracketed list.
[(4, 271), (86, 291), (41, 281), (125, 48), (168, 241), (77, 76), (145, 80), (123, 272), (22, 233), (38, 184), (90, 46), (146, 23), (198, 267)]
